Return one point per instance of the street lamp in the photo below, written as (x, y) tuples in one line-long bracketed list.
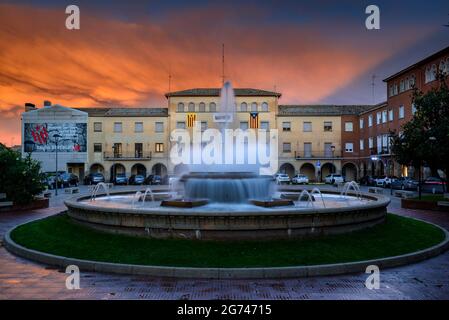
[(56, 137)]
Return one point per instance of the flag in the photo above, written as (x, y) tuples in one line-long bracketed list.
[(191, 117), (254, 120)]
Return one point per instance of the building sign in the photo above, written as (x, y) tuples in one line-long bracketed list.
[(39, 137), (223, 117)]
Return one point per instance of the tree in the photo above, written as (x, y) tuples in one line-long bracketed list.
[(425, 139), (20, 178)]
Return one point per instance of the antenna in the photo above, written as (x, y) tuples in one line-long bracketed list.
[(373, 84), (222, 64)]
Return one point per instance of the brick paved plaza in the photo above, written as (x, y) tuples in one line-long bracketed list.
[(22, 279)]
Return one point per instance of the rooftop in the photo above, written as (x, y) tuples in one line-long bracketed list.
[(125, 112), (215, 92), (420, 62), (323, 110)]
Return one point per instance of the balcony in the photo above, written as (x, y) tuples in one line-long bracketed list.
[(301, 155), (127, 155)]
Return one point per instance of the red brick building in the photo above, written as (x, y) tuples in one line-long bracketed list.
[(376, 123)]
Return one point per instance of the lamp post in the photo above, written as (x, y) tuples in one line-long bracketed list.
[(56, 137)]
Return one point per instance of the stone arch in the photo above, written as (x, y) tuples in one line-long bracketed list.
[(159, 169), (309, 170), (139, 169), (349, 171), (116, 168), (96, 168), (287, 168), (326, 169)]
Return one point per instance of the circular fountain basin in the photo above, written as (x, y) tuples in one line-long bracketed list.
[(224, 221)]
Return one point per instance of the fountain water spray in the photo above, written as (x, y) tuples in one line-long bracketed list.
[(97, 188), (317, 191), (309, 197), (351, 185)]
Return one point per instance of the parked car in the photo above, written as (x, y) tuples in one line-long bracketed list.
[(69, 179), (94, 178), (368, 180), (153, 179), (334, 178), (384, 181), (404, 183), (300, 179), (434, 185), (136, 179), (52, 177), (120, 178), (282, 178)]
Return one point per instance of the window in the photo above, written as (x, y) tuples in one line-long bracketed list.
[(180, 107), (412, 81), (391, 91), (180, 125), (401, 86), (243, 107), (253, 107), (361, 123), (307, 126), (434, 72), (159, 147), (431, 72), (98, 127), (138, 127), (395, 89), (212, 107), (384, 116), (328, 126), (117, 148), (159, 127), (244, 125), (407, 83), (379, 144), (265, 107), (348, 127), (117, 127), (191, 107), (265, 125), (370, 120), (203, 126), (362, 144), (138, 150), (328, 150), (378, 118), (349, 147), (370, 143), (286, 147), (413, 108), (202, 107), (98, 147), (401, 112), (286, 126), (390, 115), (307, 149)]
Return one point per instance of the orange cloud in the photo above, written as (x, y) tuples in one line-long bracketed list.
[(116, 63)]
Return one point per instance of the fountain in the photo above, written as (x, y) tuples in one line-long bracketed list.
[(97, 188), (351, 185), (229, 202)]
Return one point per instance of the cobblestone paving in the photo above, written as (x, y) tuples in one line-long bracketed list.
[(22, 279)]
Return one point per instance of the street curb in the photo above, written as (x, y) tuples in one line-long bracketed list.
[(227, 273)]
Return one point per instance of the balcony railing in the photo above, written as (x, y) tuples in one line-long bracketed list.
[(317, 155), (127, 155), (381, 151)]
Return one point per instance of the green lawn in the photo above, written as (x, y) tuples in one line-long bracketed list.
[(58, 235), (432, 197)]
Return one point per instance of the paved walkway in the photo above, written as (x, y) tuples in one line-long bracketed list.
[(22, 279)]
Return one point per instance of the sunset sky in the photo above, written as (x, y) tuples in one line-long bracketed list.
[(313, 52)]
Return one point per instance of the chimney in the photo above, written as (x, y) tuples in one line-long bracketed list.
[(47, 104), (29, 107)]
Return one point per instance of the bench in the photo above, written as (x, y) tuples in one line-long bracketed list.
[(404, 194), (443, 203), (72, 190), (375, 190), (4, 204)]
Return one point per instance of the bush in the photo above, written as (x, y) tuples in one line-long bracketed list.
[(20, 178)]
